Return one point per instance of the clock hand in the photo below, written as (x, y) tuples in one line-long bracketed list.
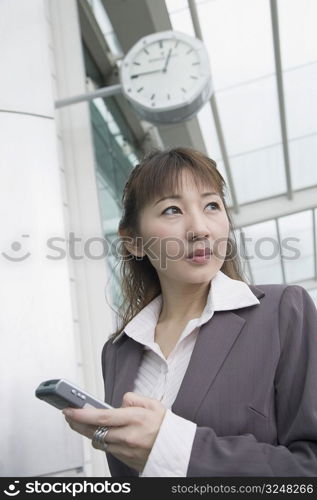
[(167, 60), (146, 73)]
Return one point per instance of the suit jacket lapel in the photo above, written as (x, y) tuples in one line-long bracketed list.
[(127, 362), (214, 342)]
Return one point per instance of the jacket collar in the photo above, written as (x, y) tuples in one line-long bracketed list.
[(214, 341), (224, 294)]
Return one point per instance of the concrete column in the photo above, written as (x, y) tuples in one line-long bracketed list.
[(36, 321)]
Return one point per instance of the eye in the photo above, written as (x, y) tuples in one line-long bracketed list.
[(214, 203)]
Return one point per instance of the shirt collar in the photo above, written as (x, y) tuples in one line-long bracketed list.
[(224, 294)]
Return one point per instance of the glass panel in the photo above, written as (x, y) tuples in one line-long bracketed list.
[(297, 21), (181, 21), (303, 160), (174, 6), (109, 203), (208, 129), (259, 174), (113, 263), (299, 260), (242, 254), (262, 248), (301, 100), (239, 39), (228, 197), (249, 116)]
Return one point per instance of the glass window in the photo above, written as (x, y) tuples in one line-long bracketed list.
[(263, 252), (238, 35), (249, 116), (303, 159), (296, 233), (259, 174), (297, 24)]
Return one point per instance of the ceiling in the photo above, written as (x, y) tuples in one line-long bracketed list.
[(261, 122)]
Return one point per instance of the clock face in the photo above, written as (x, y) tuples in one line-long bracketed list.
[(165, 71)]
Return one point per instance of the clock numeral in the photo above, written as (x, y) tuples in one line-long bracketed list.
[(194, 77), (141, 88), (168, 96), (146, 51), (161, 44), (152, 96), (176, 43), (190, 50), (184, 90), (195, 63), (137, 64)]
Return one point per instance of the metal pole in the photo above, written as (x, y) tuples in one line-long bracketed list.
[(103, 92), (214, 110), (280, 91)]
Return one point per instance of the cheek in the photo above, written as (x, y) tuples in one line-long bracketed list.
[(162, 238), (160, 230)]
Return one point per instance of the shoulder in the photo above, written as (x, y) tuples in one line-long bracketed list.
[(284, 301), (280, 289), (284, 293)]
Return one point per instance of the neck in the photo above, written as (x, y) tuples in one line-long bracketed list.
[(181, 303)]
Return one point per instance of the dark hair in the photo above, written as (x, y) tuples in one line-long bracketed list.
[(155, 176)]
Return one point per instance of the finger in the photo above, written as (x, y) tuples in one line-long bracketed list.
[(101, 417), (85, 430), (135, 399)]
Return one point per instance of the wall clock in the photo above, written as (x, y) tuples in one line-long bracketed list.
[(166, 77)]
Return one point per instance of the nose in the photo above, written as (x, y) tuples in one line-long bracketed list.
[(197, 227)]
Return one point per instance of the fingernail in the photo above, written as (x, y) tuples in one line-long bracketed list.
[(67, 412)]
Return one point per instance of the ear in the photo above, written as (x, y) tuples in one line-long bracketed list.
[(132, 243)]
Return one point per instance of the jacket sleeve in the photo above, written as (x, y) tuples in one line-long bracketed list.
[(296, 407)]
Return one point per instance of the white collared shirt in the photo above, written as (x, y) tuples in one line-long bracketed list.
[(160, 378)]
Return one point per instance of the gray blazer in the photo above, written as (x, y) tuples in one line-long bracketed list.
[(250, 386)]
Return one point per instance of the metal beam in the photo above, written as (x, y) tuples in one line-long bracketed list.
[(278, 206), (214, 109), (280, 90), (94, 39), (133, 19), (98, 48), (280, 250), (89, 96)]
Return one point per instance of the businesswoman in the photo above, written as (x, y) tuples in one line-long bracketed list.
[(208, 376)]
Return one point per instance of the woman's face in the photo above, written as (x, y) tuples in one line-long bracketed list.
[(171, 229)]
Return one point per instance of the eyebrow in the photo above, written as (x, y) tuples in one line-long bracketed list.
[(178, 197)]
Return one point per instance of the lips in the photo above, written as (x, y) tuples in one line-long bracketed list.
[(200, 252)]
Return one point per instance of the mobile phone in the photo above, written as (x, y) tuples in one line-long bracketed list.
[(61, 394)]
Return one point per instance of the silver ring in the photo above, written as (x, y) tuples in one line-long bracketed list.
[(98, 438)]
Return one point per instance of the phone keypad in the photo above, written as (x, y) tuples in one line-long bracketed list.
[(78, 394)]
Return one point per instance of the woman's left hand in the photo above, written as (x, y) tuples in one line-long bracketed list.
[(133, 427)]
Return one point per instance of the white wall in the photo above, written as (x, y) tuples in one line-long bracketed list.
[(36, 322), (53, 312)]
